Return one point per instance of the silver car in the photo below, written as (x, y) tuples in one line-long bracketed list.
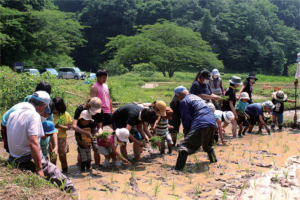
[(70, 73), (33, 72)]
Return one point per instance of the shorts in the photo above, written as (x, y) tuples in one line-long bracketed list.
[(63, 146), (279, 117), (253, 119), (167, 137), (94, 144), (242, 120), (85, 154), (104, 150), (107, 119)]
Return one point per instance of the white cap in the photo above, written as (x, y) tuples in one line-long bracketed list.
[(211, 107), (244, 95), (228, 116), (86, 116), (43, 97), (215, 72), (268, 104), (123, 134)]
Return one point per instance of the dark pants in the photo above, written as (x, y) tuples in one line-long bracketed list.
[(175, 122), (193, 141), (50, 170), (4, 137)]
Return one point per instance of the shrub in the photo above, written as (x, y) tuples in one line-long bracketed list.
[(292, 69), (144, 69), (114, 68)]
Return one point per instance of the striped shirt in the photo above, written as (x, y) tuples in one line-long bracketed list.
[(162, 127)]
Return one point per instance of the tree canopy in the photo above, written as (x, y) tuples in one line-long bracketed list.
[(166, 45)]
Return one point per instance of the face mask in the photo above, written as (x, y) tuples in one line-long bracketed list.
[(91, 112), (43, 118), (215, 76), (252, 80), (205, 81), (116, 140)]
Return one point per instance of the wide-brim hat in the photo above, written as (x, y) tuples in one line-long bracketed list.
[(236, 80), (123, 134), (252, 75), (86, 116), (51, 132), (228, 116), (279, 96)]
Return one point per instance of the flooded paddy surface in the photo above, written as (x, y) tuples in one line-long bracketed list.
[(254, 167)]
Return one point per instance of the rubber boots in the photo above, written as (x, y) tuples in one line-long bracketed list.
[(212, 156), (181, 160)]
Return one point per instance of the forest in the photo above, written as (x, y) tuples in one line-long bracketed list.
[(162, 35)]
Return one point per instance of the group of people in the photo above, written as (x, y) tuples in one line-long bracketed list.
[(34, 132)]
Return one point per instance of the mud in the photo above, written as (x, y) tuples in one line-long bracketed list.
[(253, 167)]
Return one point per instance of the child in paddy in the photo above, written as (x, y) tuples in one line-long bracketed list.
[(278, 99), (240, 110), (49, 129), (220, 116), (108, 147), (85, 122), (161, 128)]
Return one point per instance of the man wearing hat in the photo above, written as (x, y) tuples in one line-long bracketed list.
[(255, 113), (229, 105), (201, 87), (248, 86), (24, 130), (278, 99), (199, 126), (298, 70)]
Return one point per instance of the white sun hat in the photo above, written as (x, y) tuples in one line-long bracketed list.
[(211, 107), (228, 116), (123, 134), (244, 95)]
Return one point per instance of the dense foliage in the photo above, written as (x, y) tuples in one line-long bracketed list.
[(252, 35)]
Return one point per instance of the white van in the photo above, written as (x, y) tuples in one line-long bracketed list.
[(71, 73)]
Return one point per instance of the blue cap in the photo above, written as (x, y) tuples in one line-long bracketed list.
[(48, 127), (179, 89), (298, 59)]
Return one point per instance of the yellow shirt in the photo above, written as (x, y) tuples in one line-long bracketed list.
[(64, 120)]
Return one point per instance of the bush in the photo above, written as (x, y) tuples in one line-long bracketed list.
[(292, 69), (144, 69), (6, 69)]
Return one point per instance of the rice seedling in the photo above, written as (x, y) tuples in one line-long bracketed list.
[(261, 140), (251, 141), (157, 188), (272, 195), (285, 193), (133, 173), (260, 172), (166, 174), (229, 155), (165, 164), (154, 140), (126, 187), (270, 137), (242, 188), (148, 170), (206, 174), (89, 180), (173, 185), (280, 136), (112, 176), (276, 177), (224, 196), (184, 169), (90, 197), (263, 156), (213, 157), (259, 147), (287, 134), (248, 170), (244, 153), (295, 139), (103, 136), (196, 161), (286, 174), (277, 143), (197, 189), (232, 147), (151, 179), (268, 145)]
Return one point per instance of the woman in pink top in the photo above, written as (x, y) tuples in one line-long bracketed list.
[(100, 90), (108, 147)]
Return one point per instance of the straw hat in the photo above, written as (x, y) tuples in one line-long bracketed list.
[(279, 95), (228, 116)]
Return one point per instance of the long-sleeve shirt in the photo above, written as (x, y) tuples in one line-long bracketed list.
[(195, 114), (298, 71)]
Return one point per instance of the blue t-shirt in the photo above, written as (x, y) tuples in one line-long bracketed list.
[(254, 109), (198, 88), (195, 114), (241, 107)]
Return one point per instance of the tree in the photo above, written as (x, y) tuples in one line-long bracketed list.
[(167, 46)]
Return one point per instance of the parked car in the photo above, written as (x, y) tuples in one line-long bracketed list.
[(33, 72), (70, 72), (50, 71)]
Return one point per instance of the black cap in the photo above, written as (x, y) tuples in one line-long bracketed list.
[(206, 74), (252, 75)]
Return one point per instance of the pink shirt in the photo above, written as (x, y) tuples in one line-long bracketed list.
[(103, 94), (102, 143)]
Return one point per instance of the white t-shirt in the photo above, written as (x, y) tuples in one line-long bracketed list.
[(23, 105), (20, 125)]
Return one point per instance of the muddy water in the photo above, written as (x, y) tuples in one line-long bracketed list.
[(244, 170)]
